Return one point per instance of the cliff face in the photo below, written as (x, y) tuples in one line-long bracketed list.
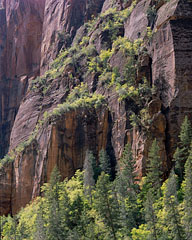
[(31, 35), (63, 19), (21, 28)]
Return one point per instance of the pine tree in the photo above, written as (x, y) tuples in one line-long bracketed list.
[(127, 189), (106, 205), (154, 172), (104, 162), (150, 216), (51, 190), (95, 166), (171, 204), (126, 176), (88, 177), (182, 152), (187, 219), (185, 133), (40, 233), (65, 209), (177, 157)]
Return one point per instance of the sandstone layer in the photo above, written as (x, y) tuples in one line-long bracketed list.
[(31, 35)]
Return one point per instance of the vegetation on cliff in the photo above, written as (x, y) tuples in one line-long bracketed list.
[(82, 60), (99, 202), (93, 205)]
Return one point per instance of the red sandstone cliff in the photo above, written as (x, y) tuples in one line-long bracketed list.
[(30, 40)]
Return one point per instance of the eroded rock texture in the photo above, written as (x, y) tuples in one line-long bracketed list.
[(31, 35), (63, 19), (63, 144)]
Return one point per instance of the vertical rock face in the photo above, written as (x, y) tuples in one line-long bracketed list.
[(32, 32), (63, 19), (63, 144), (2, 40), (3, 95), (25, 42), (172, 64), (20, 42), (24, 30)]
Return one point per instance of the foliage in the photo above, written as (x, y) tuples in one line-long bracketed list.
[(118, 209), (171, 209), (106, 205), (78, 98), (104, 162), (182, 151), (88, 176), (154, 172), (187, 204), (91, 205)]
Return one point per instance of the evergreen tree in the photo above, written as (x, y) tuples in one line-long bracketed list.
[(127, 189), (74, 207), (65, 210), (182, 152), (104, 162), (40, 233), (126, 176), (105, 204), (150, 216), (154, 172), (185, 133), (51, 190), (95, 166), (187, 219), (88, 178), (171, 204), (177, 157)]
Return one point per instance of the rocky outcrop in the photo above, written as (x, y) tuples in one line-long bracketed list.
[(21, 30), (171, 66), (64, 143), (63, 19), (31, 35), (24, 30)]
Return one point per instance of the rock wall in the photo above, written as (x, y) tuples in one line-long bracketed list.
[(21, 30), (63, 19), (31, 35), (63, 144)]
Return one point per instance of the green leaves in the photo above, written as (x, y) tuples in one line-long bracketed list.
[(154, 172), (182, 151), (187, 204), (92, 206), (106, 205)]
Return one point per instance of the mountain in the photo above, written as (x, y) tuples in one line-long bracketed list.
[(88, 74)]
